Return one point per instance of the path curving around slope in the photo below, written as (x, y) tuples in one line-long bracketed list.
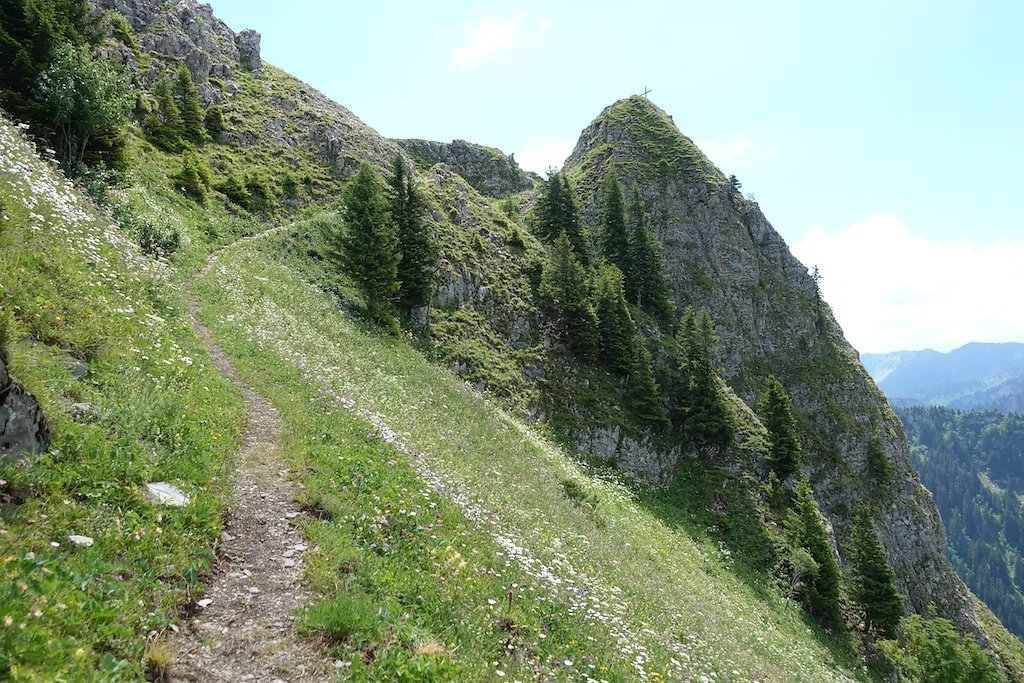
[(244, 627)]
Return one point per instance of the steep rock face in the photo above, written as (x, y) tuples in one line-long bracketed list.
[(297, 122), (23, 429), (723, 255), (188, 32), (487, 169)]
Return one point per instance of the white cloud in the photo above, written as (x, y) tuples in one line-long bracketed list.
[(893, 290), (544, 24), (543, 156), (489, 36), (737, 153)]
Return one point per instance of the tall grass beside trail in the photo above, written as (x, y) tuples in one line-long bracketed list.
[(671, 602), (80, 298)]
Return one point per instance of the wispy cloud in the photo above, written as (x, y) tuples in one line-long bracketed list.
[(736, 153), (891, 289), (488, 37), (540, 157), (544, 24)]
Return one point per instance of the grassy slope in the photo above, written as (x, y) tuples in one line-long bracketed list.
[(680, 606), (78, 288)]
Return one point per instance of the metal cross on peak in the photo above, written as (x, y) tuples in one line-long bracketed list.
[(646, 91)]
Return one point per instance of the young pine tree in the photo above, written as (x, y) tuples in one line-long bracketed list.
[(186, 94), (616, 327), (873, 582), (370, 247), (614, 236), (646, 277), (164, 123), (194, 177), (805, 529), (777, 416), (419, 250), (565, 302)]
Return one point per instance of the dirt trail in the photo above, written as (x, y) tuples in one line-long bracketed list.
[(247, 630)]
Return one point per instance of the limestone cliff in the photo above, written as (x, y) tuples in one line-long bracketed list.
[(294, 120), (723, 255), (487, 169)]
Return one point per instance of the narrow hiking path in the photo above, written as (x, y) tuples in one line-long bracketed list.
[(244, 626)]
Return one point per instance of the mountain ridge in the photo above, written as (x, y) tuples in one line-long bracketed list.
[(977, 375)]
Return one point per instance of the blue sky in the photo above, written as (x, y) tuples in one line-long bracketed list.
[(883, 140)]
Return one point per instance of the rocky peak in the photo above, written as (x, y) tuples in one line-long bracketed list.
[(487, 169), (187, 32), (724, 255)]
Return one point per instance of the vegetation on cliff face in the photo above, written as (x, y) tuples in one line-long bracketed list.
[(540, 557)]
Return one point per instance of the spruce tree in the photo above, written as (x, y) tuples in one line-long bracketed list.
[(615, 325), (193, 123), (564, 299), (30, 33), (370, 247), (646, 277), (805, 529), (557, 213), (703, 407), (164, 124), (614, 236), (419, 250), (873, 581), (643, 395), (879, 466), (777, 415)]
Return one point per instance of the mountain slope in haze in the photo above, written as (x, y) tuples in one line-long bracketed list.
[(973, 462), (975, 376)]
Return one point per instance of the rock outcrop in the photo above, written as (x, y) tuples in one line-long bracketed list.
[(298, 123), (187, 32), (487, 169), (23, 428), (723, 255)]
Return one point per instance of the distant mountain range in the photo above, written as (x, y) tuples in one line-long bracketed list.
[(976, 376)]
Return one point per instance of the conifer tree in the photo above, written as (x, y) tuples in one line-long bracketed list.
[(419, 250), (557, 213), (873, 581), (805, 529), (564, 299), (879, 467), (777, 415), (164, 124), (193, 124), (646, 278), (30, 34), (369, 250), (615, 324), (702, 406), (614, 236), (643, 396)]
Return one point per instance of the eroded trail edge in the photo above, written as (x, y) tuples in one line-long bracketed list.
[(244, 625)]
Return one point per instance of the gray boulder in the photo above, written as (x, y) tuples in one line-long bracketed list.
[(23, 428)]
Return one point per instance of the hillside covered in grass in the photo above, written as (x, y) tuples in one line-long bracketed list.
[(620, 438)]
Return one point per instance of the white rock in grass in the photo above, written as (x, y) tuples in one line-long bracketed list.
[(80, 540), (162, 493)]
